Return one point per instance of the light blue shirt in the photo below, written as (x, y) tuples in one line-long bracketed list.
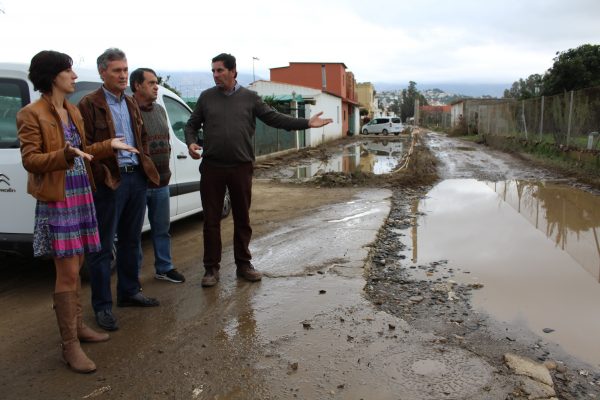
[(122, 121), (232, 91)]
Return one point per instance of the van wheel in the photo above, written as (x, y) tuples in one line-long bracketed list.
[(84, 272), (226, 205), (384, 132), (365, 132)]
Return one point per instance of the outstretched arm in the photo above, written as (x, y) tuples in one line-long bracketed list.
[(316, 121)]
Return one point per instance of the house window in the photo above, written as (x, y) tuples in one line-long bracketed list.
[(344, 115), (337, 114)]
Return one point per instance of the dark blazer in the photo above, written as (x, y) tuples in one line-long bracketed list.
[(99, 126)]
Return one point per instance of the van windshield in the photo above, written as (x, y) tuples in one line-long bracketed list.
[(14, 94)]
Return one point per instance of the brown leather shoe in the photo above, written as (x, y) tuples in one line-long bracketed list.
[(211, 277), (249, 273)]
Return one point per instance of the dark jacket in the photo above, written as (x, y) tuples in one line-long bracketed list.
[(228, 124), (43, 148), (99, 126)]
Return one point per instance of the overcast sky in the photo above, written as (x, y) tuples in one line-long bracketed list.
[(469, 41)]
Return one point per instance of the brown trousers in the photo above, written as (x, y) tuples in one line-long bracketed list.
[(213, 183)]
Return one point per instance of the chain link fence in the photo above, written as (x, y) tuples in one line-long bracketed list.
[(571, 119)]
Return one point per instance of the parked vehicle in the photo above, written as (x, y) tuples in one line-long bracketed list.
[(18, 207), (383, 125)]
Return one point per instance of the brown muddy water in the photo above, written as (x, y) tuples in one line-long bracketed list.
[(377, 157), (534, 246)]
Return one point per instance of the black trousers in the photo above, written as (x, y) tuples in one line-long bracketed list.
[(213, 183)]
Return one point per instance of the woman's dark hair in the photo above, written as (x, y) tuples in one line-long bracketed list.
[(44, 67)]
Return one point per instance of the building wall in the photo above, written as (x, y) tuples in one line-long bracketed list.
[(329, 104), (269, 88), (356, 117), (310, 75), (365, 95), (457, 109), (332, 108)]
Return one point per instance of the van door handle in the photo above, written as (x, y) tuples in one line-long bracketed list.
[(181, 155)]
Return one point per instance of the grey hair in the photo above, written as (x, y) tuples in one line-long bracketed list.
[(112, 54)]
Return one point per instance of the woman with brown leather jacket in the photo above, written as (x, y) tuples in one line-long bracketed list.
[(54, 152)]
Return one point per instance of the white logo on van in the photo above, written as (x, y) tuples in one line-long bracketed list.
[(5, 181)]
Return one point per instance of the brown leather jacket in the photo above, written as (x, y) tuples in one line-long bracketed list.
[(43, 148), (99, 126)]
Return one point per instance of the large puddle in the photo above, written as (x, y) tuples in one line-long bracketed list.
[(534, 246), (378, 157)]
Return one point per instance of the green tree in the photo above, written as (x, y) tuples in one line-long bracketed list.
[(164, 83), (525, 89), (409, 95), (574, 69), (395, 107)]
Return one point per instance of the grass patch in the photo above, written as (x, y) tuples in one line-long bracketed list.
[(583, 165)]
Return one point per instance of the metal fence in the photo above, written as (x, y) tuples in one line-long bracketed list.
[(571, 118), (269, 140), (435, 119)]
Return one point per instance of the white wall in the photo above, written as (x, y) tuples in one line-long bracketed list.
[(356, 120), (268, 88), (455, 111), (332, 108)]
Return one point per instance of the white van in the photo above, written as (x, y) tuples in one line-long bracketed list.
[(383, 125), (17, 207)]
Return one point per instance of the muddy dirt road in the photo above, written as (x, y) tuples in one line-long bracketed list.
[(346, 310)]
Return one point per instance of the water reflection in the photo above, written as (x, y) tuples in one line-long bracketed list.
[(567, 216), (378, 157), (533, 245)]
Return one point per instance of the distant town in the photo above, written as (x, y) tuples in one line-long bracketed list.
[(434, 97)]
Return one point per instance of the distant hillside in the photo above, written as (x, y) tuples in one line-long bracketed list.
[(467, 89), (192, 83)]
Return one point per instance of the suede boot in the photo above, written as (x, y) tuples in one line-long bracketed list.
[(65, 306), (84, 332)]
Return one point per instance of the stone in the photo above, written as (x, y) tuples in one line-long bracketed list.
[(416, 299), (536, 390), (525, 366), (550, 364), (548, 330)]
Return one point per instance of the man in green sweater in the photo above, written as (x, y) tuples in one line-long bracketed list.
[(226, 113), (144, 84)]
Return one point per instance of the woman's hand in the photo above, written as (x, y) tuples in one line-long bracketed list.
[(72, 152), (119, 144)]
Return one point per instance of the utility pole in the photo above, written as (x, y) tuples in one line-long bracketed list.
[(253, 75)]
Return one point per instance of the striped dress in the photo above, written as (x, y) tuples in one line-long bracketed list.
[(69, 227)]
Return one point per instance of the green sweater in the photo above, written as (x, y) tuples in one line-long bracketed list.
[(228, 124), (157, 128)]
